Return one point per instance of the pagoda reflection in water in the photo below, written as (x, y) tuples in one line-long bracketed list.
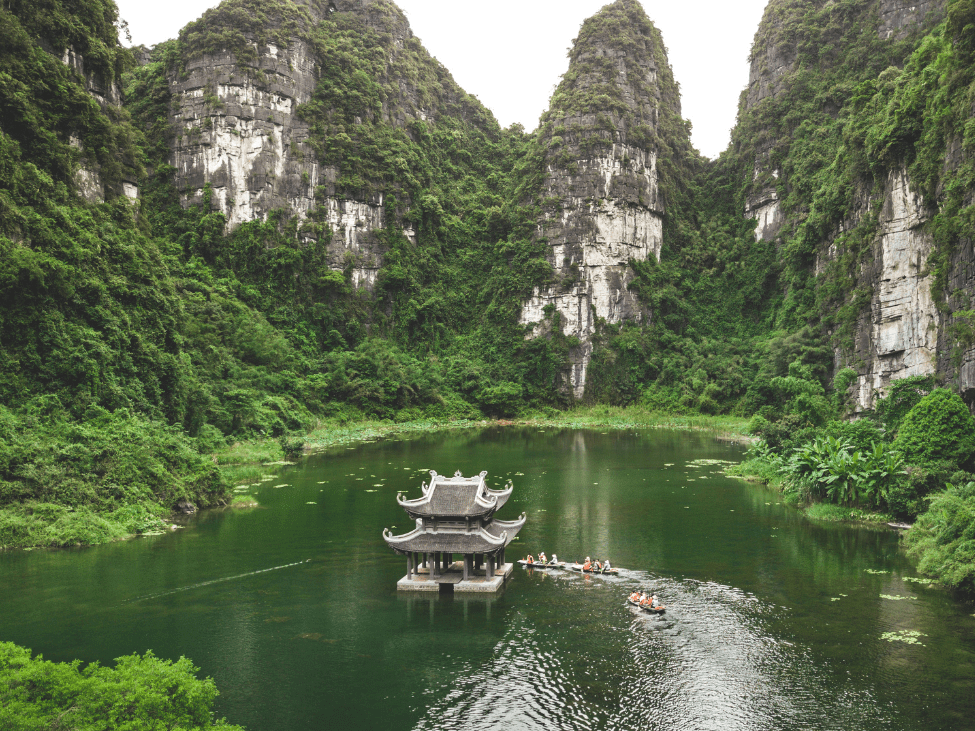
[(455, 516)]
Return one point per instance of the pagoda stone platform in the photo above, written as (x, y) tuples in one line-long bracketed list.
[(479, 583)]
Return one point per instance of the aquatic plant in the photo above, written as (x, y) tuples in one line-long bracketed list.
[(907, 636)]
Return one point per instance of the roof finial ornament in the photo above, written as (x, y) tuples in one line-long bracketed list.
[(483, 473), (458, 474)]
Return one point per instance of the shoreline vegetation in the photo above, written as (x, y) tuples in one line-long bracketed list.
[(38, 523), (904, 463)]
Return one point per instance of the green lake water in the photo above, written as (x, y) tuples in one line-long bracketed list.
[(773, 621)]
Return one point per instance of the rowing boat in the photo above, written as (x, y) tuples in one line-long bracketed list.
[(577, 567), (652, 610), (537, 565)]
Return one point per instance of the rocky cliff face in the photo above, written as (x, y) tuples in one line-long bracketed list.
[(897, 336), (238, 131), (774, 56), (88, 177), (600, 192)]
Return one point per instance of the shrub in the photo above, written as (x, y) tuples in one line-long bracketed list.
[(503, 400), (943, 538), (938, 428), (906, 498), (139, 692), (861, 434), (835, 470), (902, 396)]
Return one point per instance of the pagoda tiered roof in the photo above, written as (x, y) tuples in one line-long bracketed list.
[(455, 497), (457, 538), (456, 515)]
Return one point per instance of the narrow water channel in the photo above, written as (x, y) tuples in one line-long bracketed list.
[(774, 622)]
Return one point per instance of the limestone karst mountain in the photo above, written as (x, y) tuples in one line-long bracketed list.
[(292, 213), (269, 101), (874, 229), (600, 198)]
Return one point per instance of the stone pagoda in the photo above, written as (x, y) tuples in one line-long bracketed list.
[(455, 516)]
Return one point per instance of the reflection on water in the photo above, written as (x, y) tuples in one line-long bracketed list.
[(773, 622)]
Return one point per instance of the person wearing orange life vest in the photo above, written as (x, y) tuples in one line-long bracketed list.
[(541, 557), (587, 566), (635, 597), (530, 560)]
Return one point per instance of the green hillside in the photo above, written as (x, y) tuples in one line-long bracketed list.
[(139, 337)]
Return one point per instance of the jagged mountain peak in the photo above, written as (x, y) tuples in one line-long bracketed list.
[(613, 66), (609, 121)]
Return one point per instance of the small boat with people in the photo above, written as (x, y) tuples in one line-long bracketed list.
[(537, 565), (594, 567), (646, 601), (542, 562)]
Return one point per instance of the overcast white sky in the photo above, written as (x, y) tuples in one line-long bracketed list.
[(511, 55)]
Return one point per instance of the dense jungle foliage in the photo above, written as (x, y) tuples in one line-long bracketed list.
[(140, 692), (138, 337)]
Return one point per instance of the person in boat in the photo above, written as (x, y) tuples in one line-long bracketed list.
[(530, 560), (644, 601), (654, 602), (596, 566), (635, 597), (541, 557), (587, 566), (555, 560), (606, 566)]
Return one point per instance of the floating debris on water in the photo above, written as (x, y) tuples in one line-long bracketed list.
[(908, 636), (371, 491), (918, 580), (875, 571), (896, 598), (311, 503), (834, 598)]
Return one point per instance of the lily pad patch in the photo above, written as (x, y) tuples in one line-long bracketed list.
[(907, 636)]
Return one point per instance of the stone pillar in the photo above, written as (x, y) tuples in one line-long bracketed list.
[(501, 558), (435, 569), (490, 566), (409, 566), (467, 559)]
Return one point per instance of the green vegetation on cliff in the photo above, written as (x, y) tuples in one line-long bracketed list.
[(139, 338)]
